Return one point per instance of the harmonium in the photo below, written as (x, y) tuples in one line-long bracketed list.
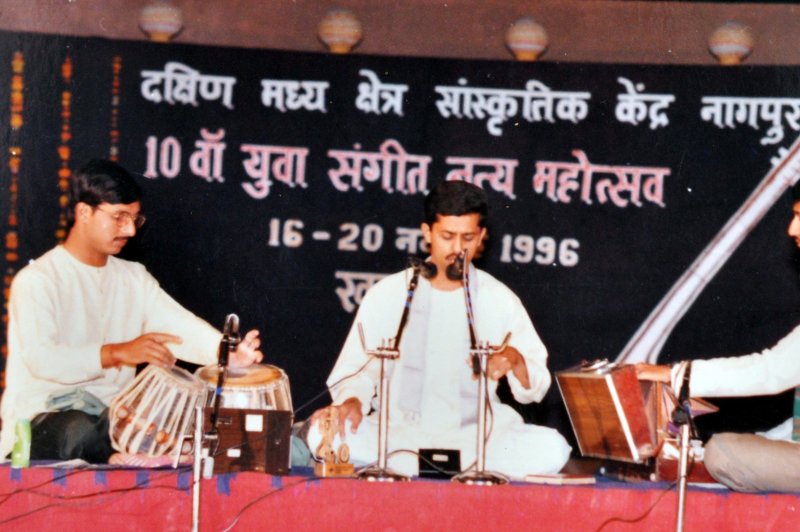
[(627, 422)]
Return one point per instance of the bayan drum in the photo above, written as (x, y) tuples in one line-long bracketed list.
[(257, 387), (155, 412)]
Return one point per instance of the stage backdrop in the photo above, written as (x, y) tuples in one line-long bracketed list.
[(281, 185)]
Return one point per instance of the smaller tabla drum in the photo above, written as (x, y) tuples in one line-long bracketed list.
[(155, 412), (258, 387)]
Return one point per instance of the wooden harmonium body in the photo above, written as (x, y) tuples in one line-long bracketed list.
[(613, 414), (251, 440), (619, 418)]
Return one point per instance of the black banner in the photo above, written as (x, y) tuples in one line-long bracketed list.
[(281, 185)]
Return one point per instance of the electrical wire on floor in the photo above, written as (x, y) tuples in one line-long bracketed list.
[(139, 486), (5, 496), (258, 499), (641, 517), (638, 519)]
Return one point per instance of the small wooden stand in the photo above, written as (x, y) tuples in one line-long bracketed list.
[(326, 469), (331, 463)]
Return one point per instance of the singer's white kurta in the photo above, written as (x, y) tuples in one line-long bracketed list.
[(448, 413), (62, 311)]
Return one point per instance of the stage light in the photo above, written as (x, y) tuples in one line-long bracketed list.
[(160, 20), (731, 43), (340, 30), (527, 39)]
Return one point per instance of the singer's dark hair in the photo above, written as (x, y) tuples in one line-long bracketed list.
[(456, 198), (101, 181)]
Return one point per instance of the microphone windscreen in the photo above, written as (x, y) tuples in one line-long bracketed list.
[(426, 268), (455, 271)]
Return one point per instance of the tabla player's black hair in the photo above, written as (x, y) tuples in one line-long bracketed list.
[(101, 181)]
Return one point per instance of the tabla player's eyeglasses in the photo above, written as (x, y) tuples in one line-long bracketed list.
[(123, 218)]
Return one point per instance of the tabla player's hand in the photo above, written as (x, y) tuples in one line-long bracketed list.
[(653, 372), (149, 348), (247, 352)]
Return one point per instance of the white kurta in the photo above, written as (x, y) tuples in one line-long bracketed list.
[(62, 311), (768, 372), (449, 395)]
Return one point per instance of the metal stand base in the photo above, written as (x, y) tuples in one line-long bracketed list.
[(380, 472), (377, 474), (480, 478)]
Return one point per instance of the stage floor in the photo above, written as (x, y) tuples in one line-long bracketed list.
[(43, 498)]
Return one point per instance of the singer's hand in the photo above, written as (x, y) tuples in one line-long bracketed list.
[(508, 360), (653, 372), (247, 351), (148, 348), (350, 409)]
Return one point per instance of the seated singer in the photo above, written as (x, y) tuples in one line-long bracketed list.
[(82, 319), (433, 399), (748, 462)]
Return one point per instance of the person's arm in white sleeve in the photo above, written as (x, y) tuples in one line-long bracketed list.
[(527, 342), (32, 309), (769, 372)]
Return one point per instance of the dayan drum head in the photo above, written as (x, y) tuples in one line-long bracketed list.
[(260, 387)]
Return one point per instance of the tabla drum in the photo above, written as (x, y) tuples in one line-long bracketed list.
[(258, 387), (155, 412)]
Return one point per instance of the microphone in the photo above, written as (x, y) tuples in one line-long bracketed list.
[(426, 268), (683, 410), (455, 271), (230, 339), (231, 327)]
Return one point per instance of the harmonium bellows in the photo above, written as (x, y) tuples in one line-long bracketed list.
[(612, 413)]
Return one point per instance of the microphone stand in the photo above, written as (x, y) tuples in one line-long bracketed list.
[(479, 354), (197, 467), (230, 340), (388, 352), (683, 467), (682, 417), (380, 472)]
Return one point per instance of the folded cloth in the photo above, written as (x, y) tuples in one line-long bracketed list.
[(75, 399)]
